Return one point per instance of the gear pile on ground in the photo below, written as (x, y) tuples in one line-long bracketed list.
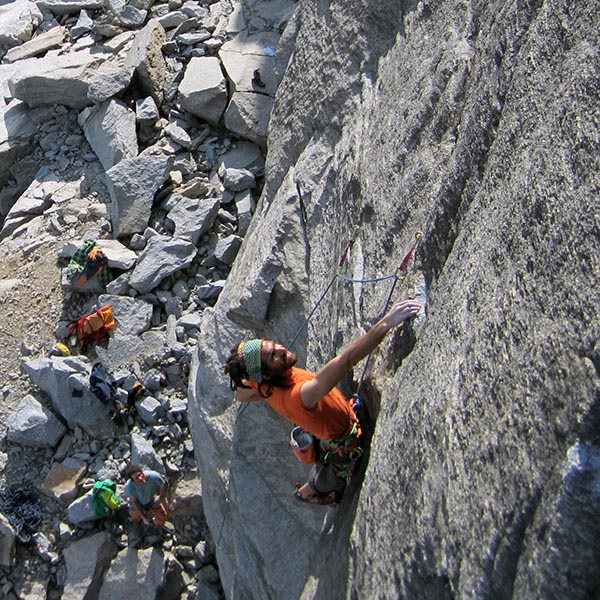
[(137, 131)]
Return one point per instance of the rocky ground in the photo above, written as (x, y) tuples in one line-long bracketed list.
[(52, 162), (32, 302)]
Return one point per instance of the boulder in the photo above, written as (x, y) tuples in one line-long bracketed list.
[(62, 481), (118, 255), (132, 315), (81, 513), (203, 90), (148, 568), (86, 561), (245, 205), (67, 7), (18, 21), (145, 57), (84, 25), (143, 453), (110, 129), (132, 183), (32, 424), (66, 381), (38, 45), (16, 133), (248, 115), (245, 54), (57, 80), (243, 155), (194, 217), (108, 80), (162, 257)]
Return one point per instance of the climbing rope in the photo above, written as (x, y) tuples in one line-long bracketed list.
[(23, 509)]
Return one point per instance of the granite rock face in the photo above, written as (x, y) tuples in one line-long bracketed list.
[(476, 124)]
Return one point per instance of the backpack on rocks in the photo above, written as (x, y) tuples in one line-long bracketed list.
[(104, 498), (93, 326), (88, 261), (102, 383)]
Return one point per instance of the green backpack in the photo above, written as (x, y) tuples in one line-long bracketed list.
[(104, 499)]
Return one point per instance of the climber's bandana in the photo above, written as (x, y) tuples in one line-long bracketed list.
[(249, 352)]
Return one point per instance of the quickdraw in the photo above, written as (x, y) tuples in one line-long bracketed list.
[(403, 266)]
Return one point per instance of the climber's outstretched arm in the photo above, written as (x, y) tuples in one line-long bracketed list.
[(330, 375)]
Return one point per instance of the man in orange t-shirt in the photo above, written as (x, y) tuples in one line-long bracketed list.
[(263, 369)]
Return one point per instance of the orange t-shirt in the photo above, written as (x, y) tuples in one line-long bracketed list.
[(329, 420)]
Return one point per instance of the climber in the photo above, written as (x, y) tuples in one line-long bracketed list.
[(261, 368), (146, 493)]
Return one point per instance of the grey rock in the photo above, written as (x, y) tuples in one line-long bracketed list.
[(18, 21), (138, 242), (238, 180), (7, 543), (107, 81), (178, 135), (80, 513), (243, 155), (117, 254), (211, 291), (110, 131), (173, 306), (64, 80), (203, 90), (38, 45), (127, 14), (227, 249), (132, 184), (143, 453), (86, 561), (181, 289), (207, 591), (66, 381), (248, 115), (148, 567), (186, 497), (132, 315), (34, 425), (243, 55), (245, 206), (84, 25), (66, 7), (145, 56), (193, 38), (172, 19), (146, 110), (16, 133), (161, 257), (119, 285), (149, 410), (466, 394), (194, 217), (119, 41), (190, 320)]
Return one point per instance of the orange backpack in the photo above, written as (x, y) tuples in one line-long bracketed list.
[(94, 325)]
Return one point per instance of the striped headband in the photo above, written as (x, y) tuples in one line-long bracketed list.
[(249, 352)]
